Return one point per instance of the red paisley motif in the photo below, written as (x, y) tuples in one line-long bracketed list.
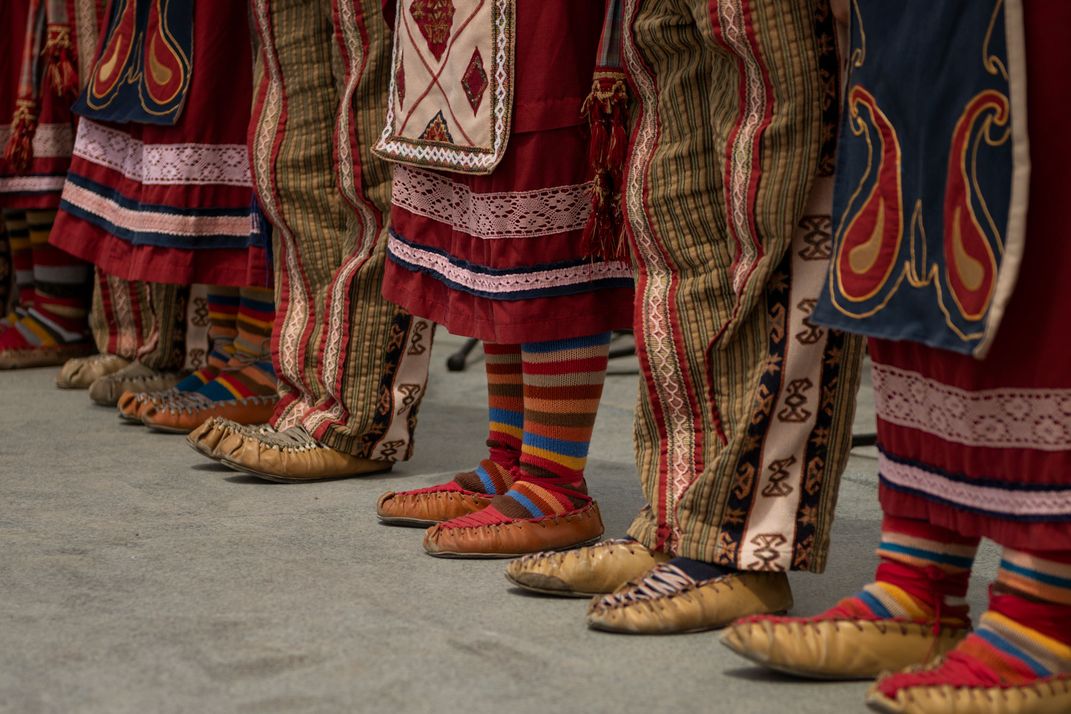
[(164, 74), (970, 262), (115, 55), (870, 243)]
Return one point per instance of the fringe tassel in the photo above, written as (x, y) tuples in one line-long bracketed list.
[(19, 149), (607, 111), (59, 61)]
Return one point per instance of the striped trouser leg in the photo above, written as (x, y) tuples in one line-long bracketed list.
[(745, 411), (137, 320), (352, 368)]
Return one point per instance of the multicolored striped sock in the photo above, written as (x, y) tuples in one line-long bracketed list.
[(505, 402), (505, 406), (54, 298), (924, 574), (223, 304), (563, 381), (21, 256), (1018, 642), (248, 373)]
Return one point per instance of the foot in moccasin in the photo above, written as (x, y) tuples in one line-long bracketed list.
[(291, 456), (584, 572), (684, 595), (135, 377), (468, 492), (81, 372), (489, 533), (132, 404), (1004, 667), (244, 394), (206, 438), (858, 638), (37, 337)]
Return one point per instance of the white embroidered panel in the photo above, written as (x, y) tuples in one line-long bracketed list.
[(997, 418), (162, 164), (451, 94), (491, 216)]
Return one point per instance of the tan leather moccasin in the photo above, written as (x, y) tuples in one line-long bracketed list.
[(80, 372), (205, 438), (838, 649), (44, 356), (184, 413), (1051, 695), (669, 601), (135, 377), (509, 540), (584, 572), (426, 507), (291, 456)]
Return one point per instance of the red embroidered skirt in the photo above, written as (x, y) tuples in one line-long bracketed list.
[(498, 257), (984, 447), (174, 204)]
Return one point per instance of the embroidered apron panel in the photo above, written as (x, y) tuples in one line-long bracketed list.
[(142, 71), (451, 95), (932, 173)]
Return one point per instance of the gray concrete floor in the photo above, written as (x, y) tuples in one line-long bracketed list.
[(137, 577)]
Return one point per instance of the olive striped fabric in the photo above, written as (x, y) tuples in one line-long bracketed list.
[(744, 419), (138, 320), (352, 368)]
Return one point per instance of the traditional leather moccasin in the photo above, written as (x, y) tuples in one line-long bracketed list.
[(428, 506), (44, 356), (189, 410), (1051, 695), (130, 404), (669, 601), (838, 649), (584, 572), (291, 456), (205, 438), (80, 372), (509, 540), (134, 378)]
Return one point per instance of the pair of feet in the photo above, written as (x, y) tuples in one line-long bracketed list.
[(635, 590), (31, 338), (282, 456), (244, 393), (923, 661), (496, 511), (108, 376)]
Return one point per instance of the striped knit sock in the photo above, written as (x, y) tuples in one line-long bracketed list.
[(54, 302), (223, 304), (21, 256), (1025, 636), (923, 576), (563, 382), (505, 407), (249, 371)]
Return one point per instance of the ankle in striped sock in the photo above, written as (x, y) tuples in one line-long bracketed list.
[(563, 381)]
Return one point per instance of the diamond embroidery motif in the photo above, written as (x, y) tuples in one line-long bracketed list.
[(475, 80), (437, 130), (434, 18)]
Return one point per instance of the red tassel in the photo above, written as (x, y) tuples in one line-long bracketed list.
[(19, 149), (59, 61), (607, 111)]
